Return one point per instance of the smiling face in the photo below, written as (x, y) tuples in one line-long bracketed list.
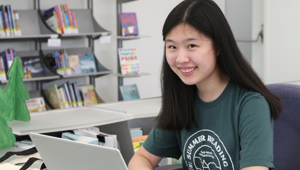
[(191, 55)]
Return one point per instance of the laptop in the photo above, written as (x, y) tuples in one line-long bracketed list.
[(58, 153)]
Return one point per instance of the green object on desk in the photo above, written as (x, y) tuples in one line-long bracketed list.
[(17, 92), (7, 138)]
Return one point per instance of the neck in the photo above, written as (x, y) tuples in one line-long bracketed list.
[(211, 89)]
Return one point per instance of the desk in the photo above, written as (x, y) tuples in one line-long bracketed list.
[(144, 111), (114, 122), (13, 149)]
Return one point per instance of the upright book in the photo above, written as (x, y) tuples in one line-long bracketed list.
[(128, 61), (32, 67), (87, 63), (129, 92), (129, 24), (89, 95)]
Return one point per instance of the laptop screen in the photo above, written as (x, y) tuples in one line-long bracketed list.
[(60, 153)]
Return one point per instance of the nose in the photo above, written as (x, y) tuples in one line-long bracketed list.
[(182, 57)]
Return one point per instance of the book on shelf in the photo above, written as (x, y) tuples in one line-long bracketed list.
[(89, 95), (53, 97), (9, 22), (87, 63), (103, 139), (32, 67), (129, 24), (7, 59), (36, 105), (129, 92), (75, 64), (2, 69), (61, 20), (129, 62)]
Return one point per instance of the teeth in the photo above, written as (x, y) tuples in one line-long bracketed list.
[(188, 70)]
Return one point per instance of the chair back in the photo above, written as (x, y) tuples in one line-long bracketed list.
[(287, 127)]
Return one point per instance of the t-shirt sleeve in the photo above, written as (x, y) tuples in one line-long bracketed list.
[(256, 133), (163, 143)]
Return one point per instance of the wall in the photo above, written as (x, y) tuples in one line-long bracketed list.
[(257, 48), (239, 17), (282, 39)]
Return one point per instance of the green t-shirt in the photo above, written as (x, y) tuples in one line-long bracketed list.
[(234, 131)]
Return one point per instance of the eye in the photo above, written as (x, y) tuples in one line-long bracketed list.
[(191, 46), (172, 47)]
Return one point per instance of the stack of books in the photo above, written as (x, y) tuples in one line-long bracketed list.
[(60, 19), (71, 95), (65, 64), (9, 22)]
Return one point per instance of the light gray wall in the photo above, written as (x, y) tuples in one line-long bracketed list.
[(239, 16), (282, 39)]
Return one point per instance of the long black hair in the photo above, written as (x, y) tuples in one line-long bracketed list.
[(177, 111)]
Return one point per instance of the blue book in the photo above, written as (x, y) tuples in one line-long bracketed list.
[(87, 63), (129, 92)]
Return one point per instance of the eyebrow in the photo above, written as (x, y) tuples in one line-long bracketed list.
[(188, 39)]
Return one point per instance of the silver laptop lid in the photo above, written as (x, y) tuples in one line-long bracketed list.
[(60, 153)]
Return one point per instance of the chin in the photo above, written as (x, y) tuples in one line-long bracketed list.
[(189, 83)]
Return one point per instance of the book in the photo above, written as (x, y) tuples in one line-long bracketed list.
[(129, 24), (77, 94), (72, 94), (2, 69), (32, 67), (2, 26), (128, 61), (63, 97), (53, 96), (66, 92), (89, 95), (74, 64), (35, 104), (87, 63), (129, 92), (136, 132)]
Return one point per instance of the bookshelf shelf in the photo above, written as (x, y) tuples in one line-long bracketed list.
[(46, 78), (131, 75), (101, 70), (125, 1), (98, 74), (87, 25), (30, 26), (124, 38), (48, 75)]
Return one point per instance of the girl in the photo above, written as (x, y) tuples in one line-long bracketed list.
[(216, 112)]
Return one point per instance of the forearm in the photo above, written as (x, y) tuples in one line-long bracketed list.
[(139, 162)]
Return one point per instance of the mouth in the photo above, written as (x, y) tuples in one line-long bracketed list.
[(187, 69)]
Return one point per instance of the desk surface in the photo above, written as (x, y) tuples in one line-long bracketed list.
[(143, 108), (11, 149), (68, 119)]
